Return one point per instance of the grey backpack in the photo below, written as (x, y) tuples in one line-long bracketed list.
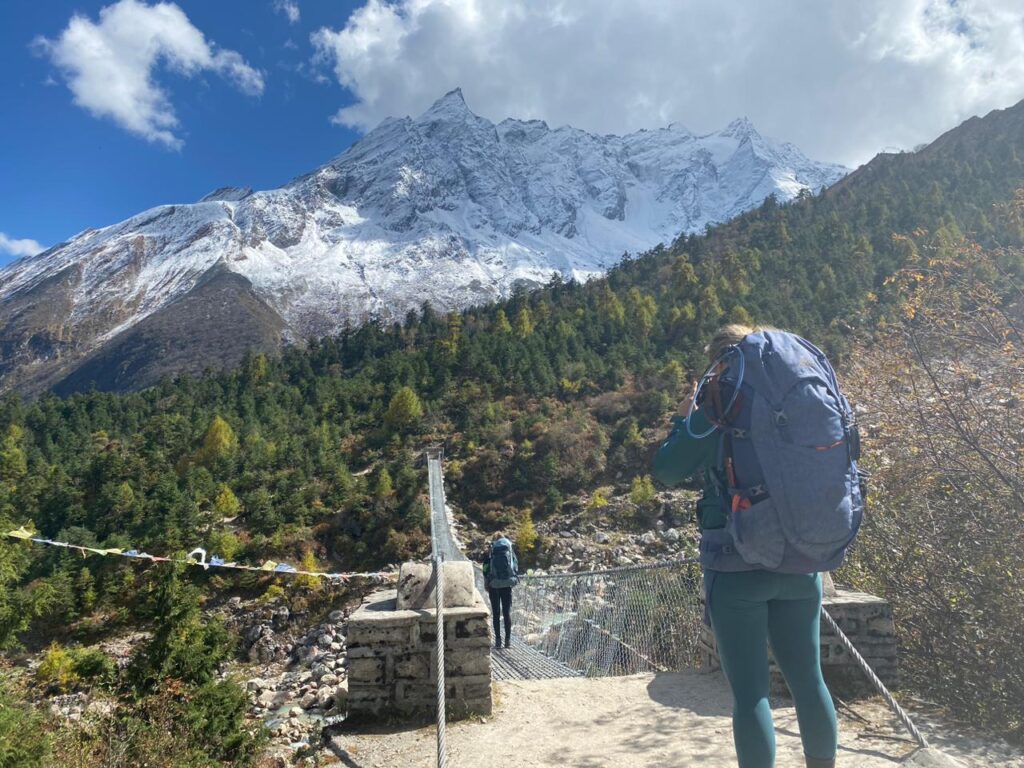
[(789, 450), (503, 570)]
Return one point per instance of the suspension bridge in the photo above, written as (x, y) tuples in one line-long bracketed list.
[(521, 661), (641, 618), (618, 621)]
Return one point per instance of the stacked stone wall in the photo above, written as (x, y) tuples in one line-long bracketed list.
[(866, 620), (392, 659)]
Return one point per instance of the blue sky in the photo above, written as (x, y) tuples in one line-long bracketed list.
[(109, 107), (63, 169)]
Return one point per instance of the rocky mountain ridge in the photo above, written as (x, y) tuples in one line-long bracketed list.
[(446, 208)]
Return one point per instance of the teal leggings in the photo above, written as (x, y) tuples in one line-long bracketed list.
[(747, 610)]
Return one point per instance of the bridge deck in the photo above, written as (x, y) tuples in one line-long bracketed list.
[(521, 662)]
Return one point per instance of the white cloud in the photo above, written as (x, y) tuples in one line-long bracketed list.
[(840, 79), (109, 64), (289, 8), (19, 248)]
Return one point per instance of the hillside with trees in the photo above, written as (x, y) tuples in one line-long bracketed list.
[(550, 394)]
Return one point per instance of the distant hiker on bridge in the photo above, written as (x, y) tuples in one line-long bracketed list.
[(501, 573), (775, 442)]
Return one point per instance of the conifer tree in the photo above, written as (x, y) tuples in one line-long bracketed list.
[(524, 323), (526, 538), (184, 646), (85, 587), (308, 563), (404, 410), (13, 464), (642, 491), (384, 486), (501, 323), (227, 504), (219, 443)]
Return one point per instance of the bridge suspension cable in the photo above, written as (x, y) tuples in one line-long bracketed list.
[(890, 700), (442, 544)]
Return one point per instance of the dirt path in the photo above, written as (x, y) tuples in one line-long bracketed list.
[(643, 720)]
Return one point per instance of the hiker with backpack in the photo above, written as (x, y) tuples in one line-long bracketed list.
[(501, 573), (775, 444)]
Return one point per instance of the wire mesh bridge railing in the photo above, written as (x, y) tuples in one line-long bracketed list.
[(614, 622)]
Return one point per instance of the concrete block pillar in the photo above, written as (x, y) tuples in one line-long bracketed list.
[(392, 647)]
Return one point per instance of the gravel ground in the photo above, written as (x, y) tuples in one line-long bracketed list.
[(642, 720)]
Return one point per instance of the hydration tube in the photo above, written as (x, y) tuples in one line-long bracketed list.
[(709, 374)]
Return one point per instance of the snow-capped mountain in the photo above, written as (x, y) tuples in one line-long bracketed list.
[(446, 207)]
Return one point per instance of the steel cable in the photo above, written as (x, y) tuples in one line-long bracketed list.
[(442, 752), (879, 685)]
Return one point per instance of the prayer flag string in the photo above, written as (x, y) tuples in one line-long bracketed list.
[(197, 557)]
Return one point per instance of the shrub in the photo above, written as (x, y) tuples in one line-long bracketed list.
[(94, 666), (274, 592), (23, 742), (569, 453), (57, 670), (940, 394), (642, 492), (178, 727), (64, 669), (599, 499), (526, 539)]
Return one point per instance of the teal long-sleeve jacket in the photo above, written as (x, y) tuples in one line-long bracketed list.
[(682, 457)]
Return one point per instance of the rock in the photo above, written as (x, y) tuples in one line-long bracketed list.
[(567, 534), (672, 535), (295, 712), (235, 603), (254, 633), (648, 538), (325, 697), (324, 641), (100, 708), (266, 699), (931, 758), (330, 679), (601, 537), (256, 684), (319, 670), (623, 561), (69, 704), (336, 617), (308, 701), (341, 697), (281, 617), (265, 650), (416, 586)]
